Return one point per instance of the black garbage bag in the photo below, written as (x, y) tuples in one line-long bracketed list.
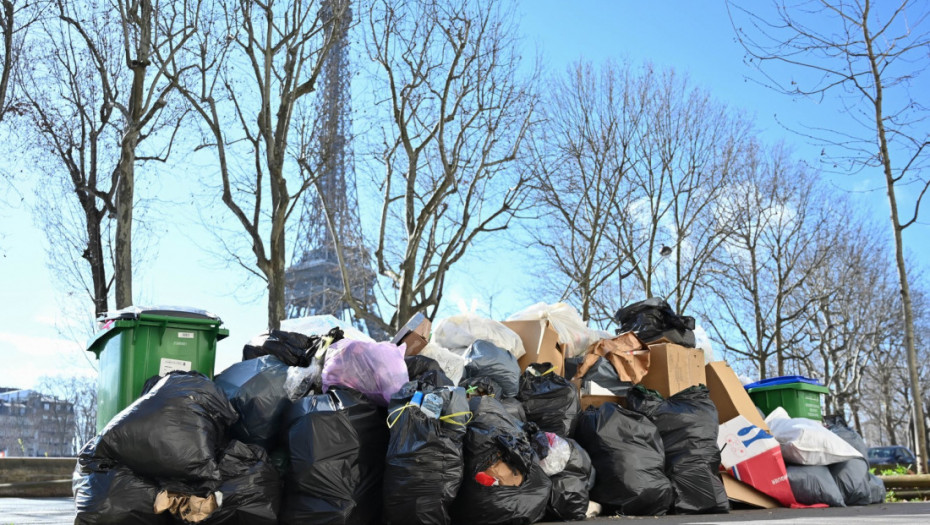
[(175, 431), (654, 319), (337, 442), (251, 487), (876, 489), (626, 450), (688, 424), (813, 484), (485, 386), (605, 375), (424, 464), (427, 370), (484, 358), (106, 493), (291, 348), (570, 368), (836, 423), (493, 442), (549, 399), (515, 409), (570, 471), (255, 388), (852, 477), (480, 386)]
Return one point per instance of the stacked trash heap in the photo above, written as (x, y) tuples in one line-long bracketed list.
[(471, 421)]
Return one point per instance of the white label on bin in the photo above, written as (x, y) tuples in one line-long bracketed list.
[(186, 335), (170, 365)]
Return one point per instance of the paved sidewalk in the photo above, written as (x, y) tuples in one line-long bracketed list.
[(60, 511)]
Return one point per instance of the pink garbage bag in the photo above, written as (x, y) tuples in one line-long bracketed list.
[(377, 370)]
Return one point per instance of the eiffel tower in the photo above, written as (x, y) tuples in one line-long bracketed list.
[(313, 282)]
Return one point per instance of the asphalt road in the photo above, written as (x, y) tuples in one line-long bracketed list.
[(55, 511)]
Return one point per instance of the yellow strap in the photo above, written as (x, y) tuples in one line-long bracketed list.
[(448, 418), (399, 412), (549, 371)]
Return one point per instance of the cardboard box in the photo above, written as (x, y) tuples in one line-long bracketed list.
[(673, 368), (588, 400), (597, 401), (414, 334), (728, 394), (743, 493), (541, 343)]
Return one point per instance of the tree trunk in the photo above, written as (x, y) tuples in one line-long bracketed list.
[(94, 256), (122, 267), (920, 429)]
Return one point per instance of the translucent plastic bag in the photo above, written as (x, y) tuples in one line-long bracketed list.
[(566, 321), (377, 370), (300, 380), (559, 453), (451, 363), (459, 332)]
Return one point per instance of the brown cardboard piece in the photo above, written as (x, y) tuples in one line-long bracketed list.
[(190, 508), (628, 355), (743, 493), (541, 343), (728, 394), (673, 368), (507, 476), (414, 334)]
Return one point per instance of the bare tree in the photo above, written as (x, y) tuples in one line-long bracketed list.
[(454, 111), (246, 76), (89, 102), (579, 158), (16, 16), (778, 232), (846, 330), (866, 57), (688, 150)]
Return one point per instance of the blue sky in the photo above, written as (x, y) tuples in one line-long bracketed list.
[(692, 37)]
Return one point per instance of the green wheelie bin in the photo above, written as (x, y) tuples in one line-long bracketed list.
[(134, 344)]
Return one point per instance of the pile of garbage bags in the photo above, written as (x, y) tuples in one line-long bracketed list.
[(825, 462), (333, 428)]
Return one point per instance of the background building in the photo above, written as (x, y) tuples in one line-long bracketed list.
[(35, 424)]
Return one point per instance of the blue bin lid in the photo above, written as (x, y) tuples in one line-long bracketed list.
[(783, 380)]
